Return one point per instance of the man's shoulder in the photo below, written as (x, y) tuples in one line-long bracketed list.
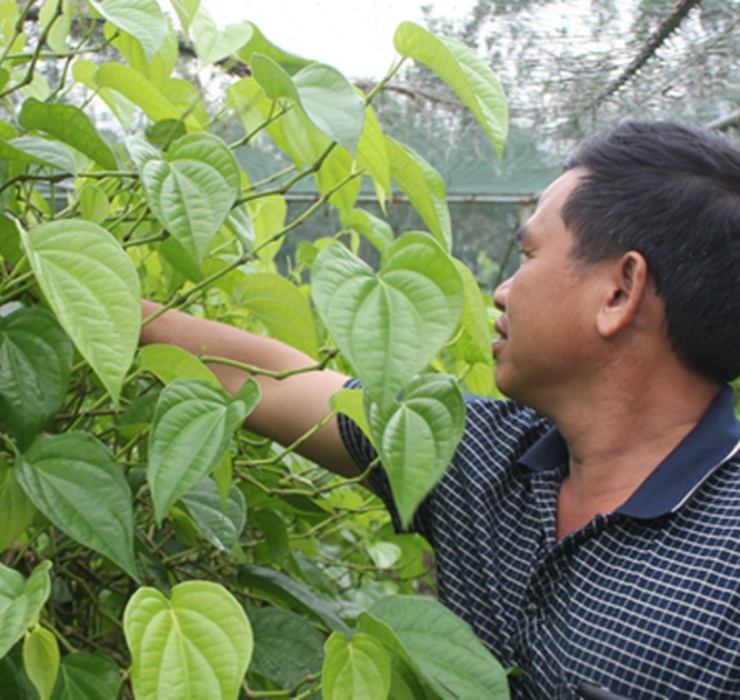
[(500, 426)]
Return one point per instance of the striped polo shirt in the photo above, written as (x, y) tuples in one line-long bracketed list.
[(644, 601)]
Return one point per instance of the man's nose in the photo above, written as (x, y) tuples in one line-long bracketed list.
[(501, 294)]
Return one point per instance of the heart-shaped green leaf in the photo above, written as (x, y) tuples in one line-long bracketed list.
[(424, 187), (287, 647), (213, 44), (20, 602), (390, 325), (41, 660), (443, 649), (168, 363), (196, 645), (192, 191), (93, 289), (464, 71), (76, 483), (192, 426), (325, 96), (416, 437), (35, 363), (221, 525), (143, 19), (17, 509), (85, 676), (358, 668), (70, 125), (281, 307)]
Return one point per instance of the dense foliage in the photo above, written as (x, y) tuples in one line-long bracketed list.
[(150, 546)]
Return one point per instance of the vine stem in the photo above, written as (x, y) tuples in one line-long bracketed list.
[(252, 369)]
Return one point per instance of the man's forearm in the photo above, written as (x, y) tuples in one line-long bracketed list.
[(289, 407)]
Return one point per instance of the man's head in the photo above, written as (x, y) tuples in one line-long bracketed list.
[(671, 193)]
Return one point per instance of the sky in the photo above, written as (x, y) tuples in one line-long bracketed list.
[(355, 36)]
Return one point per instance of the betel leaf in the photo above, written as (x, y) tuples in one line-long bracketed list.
[(21, 601), (324, 95), (196, 645), (331, 103), (84, 676), (222, 526), (41, 151), (193, 424), (70, 125), (168, 363), (185, 10), (93, 288), (373, 229), (140, 91), (424, 187), (35, 363), (464, 71), (282, 589), (17, 509), (258, 43), (442, 648), (213, 44), (287, 647), (41, 660), (78, 485), (281, 307), (390, 325), (358, 668), (372, 155), (416, 437), (192, 188), (143, 19)]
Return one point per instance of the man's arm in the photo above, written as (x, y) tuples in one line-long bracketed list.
[(289, 407)]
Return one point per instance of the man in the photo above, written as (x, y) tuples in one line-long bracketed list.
[(588, 530)]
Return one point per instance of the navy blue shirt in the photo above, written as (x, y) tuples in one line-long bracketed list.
[(644, 600)]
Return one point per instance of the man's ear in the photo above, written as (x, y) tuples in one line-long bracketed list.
[(626, 284)]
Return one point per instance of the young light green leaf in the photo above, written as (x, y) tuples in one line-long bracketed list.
[(462, 70), (443, 649), (143, 19), (193, 424), (85, 676), (358, 668), (41, 660), (373, 229), (424, 187), (58, 32), (221, 526), (51, 153), (191, 190), (185, 10), (350, 403), (168, 362), (416, 437), (389, 326), (287, 647), (372, 155), (21, 601), (196, 645), (35, 364), (17, 509), (142, 92), (281, 307), (213, 44), (78, 485), (86, 73), (331, 103), (93, 289), (257, 43), (94, 204), (69, 125)]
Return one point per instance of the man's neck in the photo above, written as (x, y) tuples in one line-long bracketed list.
[(618, 437)]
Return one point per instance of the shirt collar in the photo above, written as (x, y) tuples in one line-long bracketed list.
[(714, 439)]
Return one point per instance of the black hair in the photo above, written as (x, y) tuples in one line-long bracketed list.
[(671, 193)]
